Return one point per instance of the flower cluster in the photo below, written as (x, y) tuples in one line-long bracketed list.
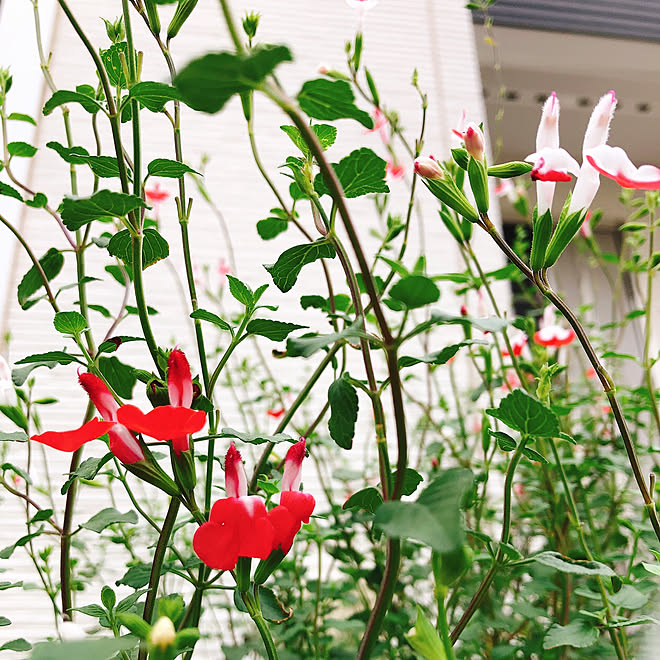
[(173, 422), (240, 525)]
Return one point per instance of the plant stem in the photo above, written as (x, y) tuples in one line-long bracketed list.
[(157, 565), (254, 609)]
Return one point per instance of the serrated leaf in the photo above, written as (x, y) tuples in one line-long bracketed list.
[(435, 518), (207, 83), (344, 406), (274, 330), (21, 149), (9, 191), (411, 480), (51, 264), (362, 172), (171, 169), (78, 211), (331, 99), (523, 413), (70, 323), (576, 566), (154, 95), (106, 517), (87, 470), (204, 315), (104, 167), (579, 634), (325, 133), (240, 291), (154, 247), (367, 499), (72, 155), (63, 96), (286, 269), (254, 438)]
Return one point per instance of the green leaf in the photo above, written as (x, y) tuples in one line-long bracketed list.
[(78, 211), (240, 291), (367, 499), (21, 149), (63, 96), (106, 517), (435, 518), (112, 63), (121, 377), (15, 436), (112, 344), (411, 480), (39, 201), (99, 649), (579, 634), (7, 552), (344, 406), (286, 269), (523, 413), (325, 133), (274, 330), (271, 227), (308, 345), (207, 83), (95, 611), (629, 598), (415, 291), (331, 99), (425, 640), (70, 323), (439, 357), (19, 644), (362, 172), (154, 247), (42, 514), (533, 455), (504, 441), (203, 315), (4, 621), (492, 324), (254, 438), (49, 359), (51, 264), (72, 155), (170, 169), (9, 191), (10, 585), (19, 116), (153, 95), (576, 566), (87, 470), (103, 166)]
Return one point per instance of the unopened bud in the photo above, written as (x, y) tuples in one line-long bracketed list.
[(474, 142), (464, 310), (115, 30), (163, 633), (250, 24), (428, 168), (183, 11)]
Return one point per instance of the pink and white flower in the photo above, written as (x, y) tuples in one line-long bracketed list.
[(518, 343), (428, 168), (473, 138), (380, 125), (394, 171), (614, 163), (551, 334)]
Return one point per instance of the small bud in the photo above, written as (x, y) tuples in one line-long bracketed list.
[(428, 168), (183, 11), (474, 142), (250, 24), (464, 310), (115, 30), (163, 633)]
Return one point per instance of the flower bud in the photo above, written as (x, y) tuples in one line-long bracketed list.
[(115, 30), (152, 16), (428, 168), (163, 633), (509, 170), (250, 24), (183, 11), (474, 142)]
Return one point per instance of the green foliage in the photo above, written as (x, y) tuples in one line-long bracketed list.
[(523, 413), (362, 172), (154, 247), (171, 169), (153, 95), (286, 269), (331, 99), (273, 330), (61, 97), (99, 521), (70, 323), (343, 401), (51, 265), (425, 639), (77, 212)]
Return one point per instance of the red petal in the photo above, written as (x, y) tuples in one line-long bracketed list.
[(256, 537), (162, 423), (124, 445), (217, 546), (73, 440), (300, 504), (285, 526), (179, 380)]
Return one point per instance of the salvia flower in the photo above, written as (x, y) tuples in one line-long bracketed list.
[(394, 171), (429, 168), (551, 334), (238, 525), (175, 421), (518, 343), (474, 141), (598, 128), (380, 125), (614, 163)]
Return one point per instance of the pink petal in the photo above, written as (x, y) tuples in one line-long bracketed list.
[(74, 440), (179, 380), (163, 422), (614, 163)]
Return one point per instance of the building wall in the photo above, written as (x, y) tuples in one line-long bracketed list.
[(398, 37)]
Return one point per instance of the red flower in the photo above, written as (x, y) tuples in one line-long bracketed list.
[(176, 421), (518, 343), (123, 444), (239, 525), (295, 507), (554, 335), (275, 412), (394, 171)]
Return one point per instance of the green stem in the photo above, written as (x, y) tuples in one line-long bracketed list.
[(157, 565), (442, 625), (254, 609)]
